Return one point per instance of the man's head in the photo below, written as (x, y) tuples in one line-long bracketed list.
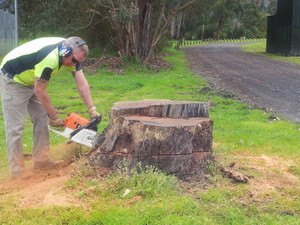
[(73, 50)]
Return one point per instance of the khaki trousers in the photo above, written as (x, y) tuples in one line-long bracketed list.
[(17, 101)]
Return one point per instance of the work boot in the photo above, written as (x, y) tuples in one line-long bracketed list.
[(49, 164)]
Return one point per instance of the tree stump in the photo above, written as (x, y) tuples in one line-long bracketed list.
[(174, 136)]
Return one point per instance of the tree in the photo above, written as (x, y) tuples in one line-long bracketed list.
[(176, 25), (169, 10), (138, 27), (227, 18), (44, 17), (197, 17), (252, 15), (222, 12), (138, 30)]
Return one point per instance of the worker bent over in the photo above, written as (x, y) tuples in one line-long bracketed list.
[(24, 76)]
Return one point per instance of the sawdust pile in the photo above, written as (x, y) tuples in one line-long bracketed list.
[(41, 188)]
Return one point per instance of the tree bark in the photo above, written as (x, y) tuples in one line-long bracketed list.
[(175, 137), (180, 22), (133, 22), (144, 28), (203, 28)]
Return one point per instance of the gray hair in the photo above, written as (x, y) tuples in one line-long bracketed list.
[(77, 44)]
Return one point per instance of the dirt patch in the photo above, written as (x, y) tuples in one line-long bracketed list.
[(116, 64), (157, 63), (113, 64), (274, 172), (269, 177), (41, 188)]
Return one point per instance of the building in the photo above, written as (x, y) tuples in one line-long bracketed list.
[(283, 33)]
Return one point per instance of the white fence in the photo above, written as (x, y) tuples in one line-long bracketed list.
[(8, 32)]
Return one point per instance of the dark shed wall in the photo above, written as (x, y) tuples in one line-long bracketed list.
[(283, 34)]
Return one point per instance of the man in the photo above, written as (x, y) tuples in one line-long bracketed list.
[(24, 76)]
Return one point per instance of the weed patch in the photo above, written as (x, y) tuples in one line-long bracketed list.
[(145, 182)]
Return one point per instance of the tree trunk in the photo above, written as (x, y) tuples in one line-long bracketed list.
[(218, 30), (203, 28), (175, 137), (143, 31), (179, 18), (173, 28), (203, 32), (133, 20)]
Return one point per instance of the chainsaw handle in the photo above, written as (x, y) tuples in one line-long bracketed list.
[(92, 125)]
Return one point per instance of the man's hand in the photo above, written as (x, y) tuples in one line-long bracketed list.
[(93, 112), (56, 121)]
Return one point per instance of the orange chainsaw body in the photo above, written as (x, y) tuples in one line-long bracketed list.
[(74, 121)]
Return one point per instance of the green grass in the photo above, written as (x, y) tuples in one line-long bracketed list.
[(260, 49), (156, 198), (177, 43)]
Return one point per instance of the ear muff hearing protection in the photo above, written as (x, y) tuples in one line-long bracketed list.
[(80, 42), (66, 50)]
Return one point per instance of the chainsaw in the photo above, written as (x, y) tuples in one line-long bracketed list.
[(79, 129)]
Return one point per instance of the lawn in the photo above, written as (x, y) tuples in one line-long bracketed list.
[(260, 49), (266, 150)]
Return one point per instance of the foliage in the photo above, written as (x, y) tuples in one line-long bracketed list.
[(137, 28), (7, 5), (228, 19), (53, 18)]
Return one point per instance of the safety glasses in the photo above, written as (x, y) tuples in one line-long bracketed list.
[(74, 60)]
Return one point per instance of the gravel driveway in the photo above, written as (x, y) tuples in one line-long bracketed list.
[(258, 80)]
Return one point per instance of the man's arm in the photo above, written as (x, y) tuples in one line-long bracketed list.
[(40, 91), (83, 88), (85, 93)]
